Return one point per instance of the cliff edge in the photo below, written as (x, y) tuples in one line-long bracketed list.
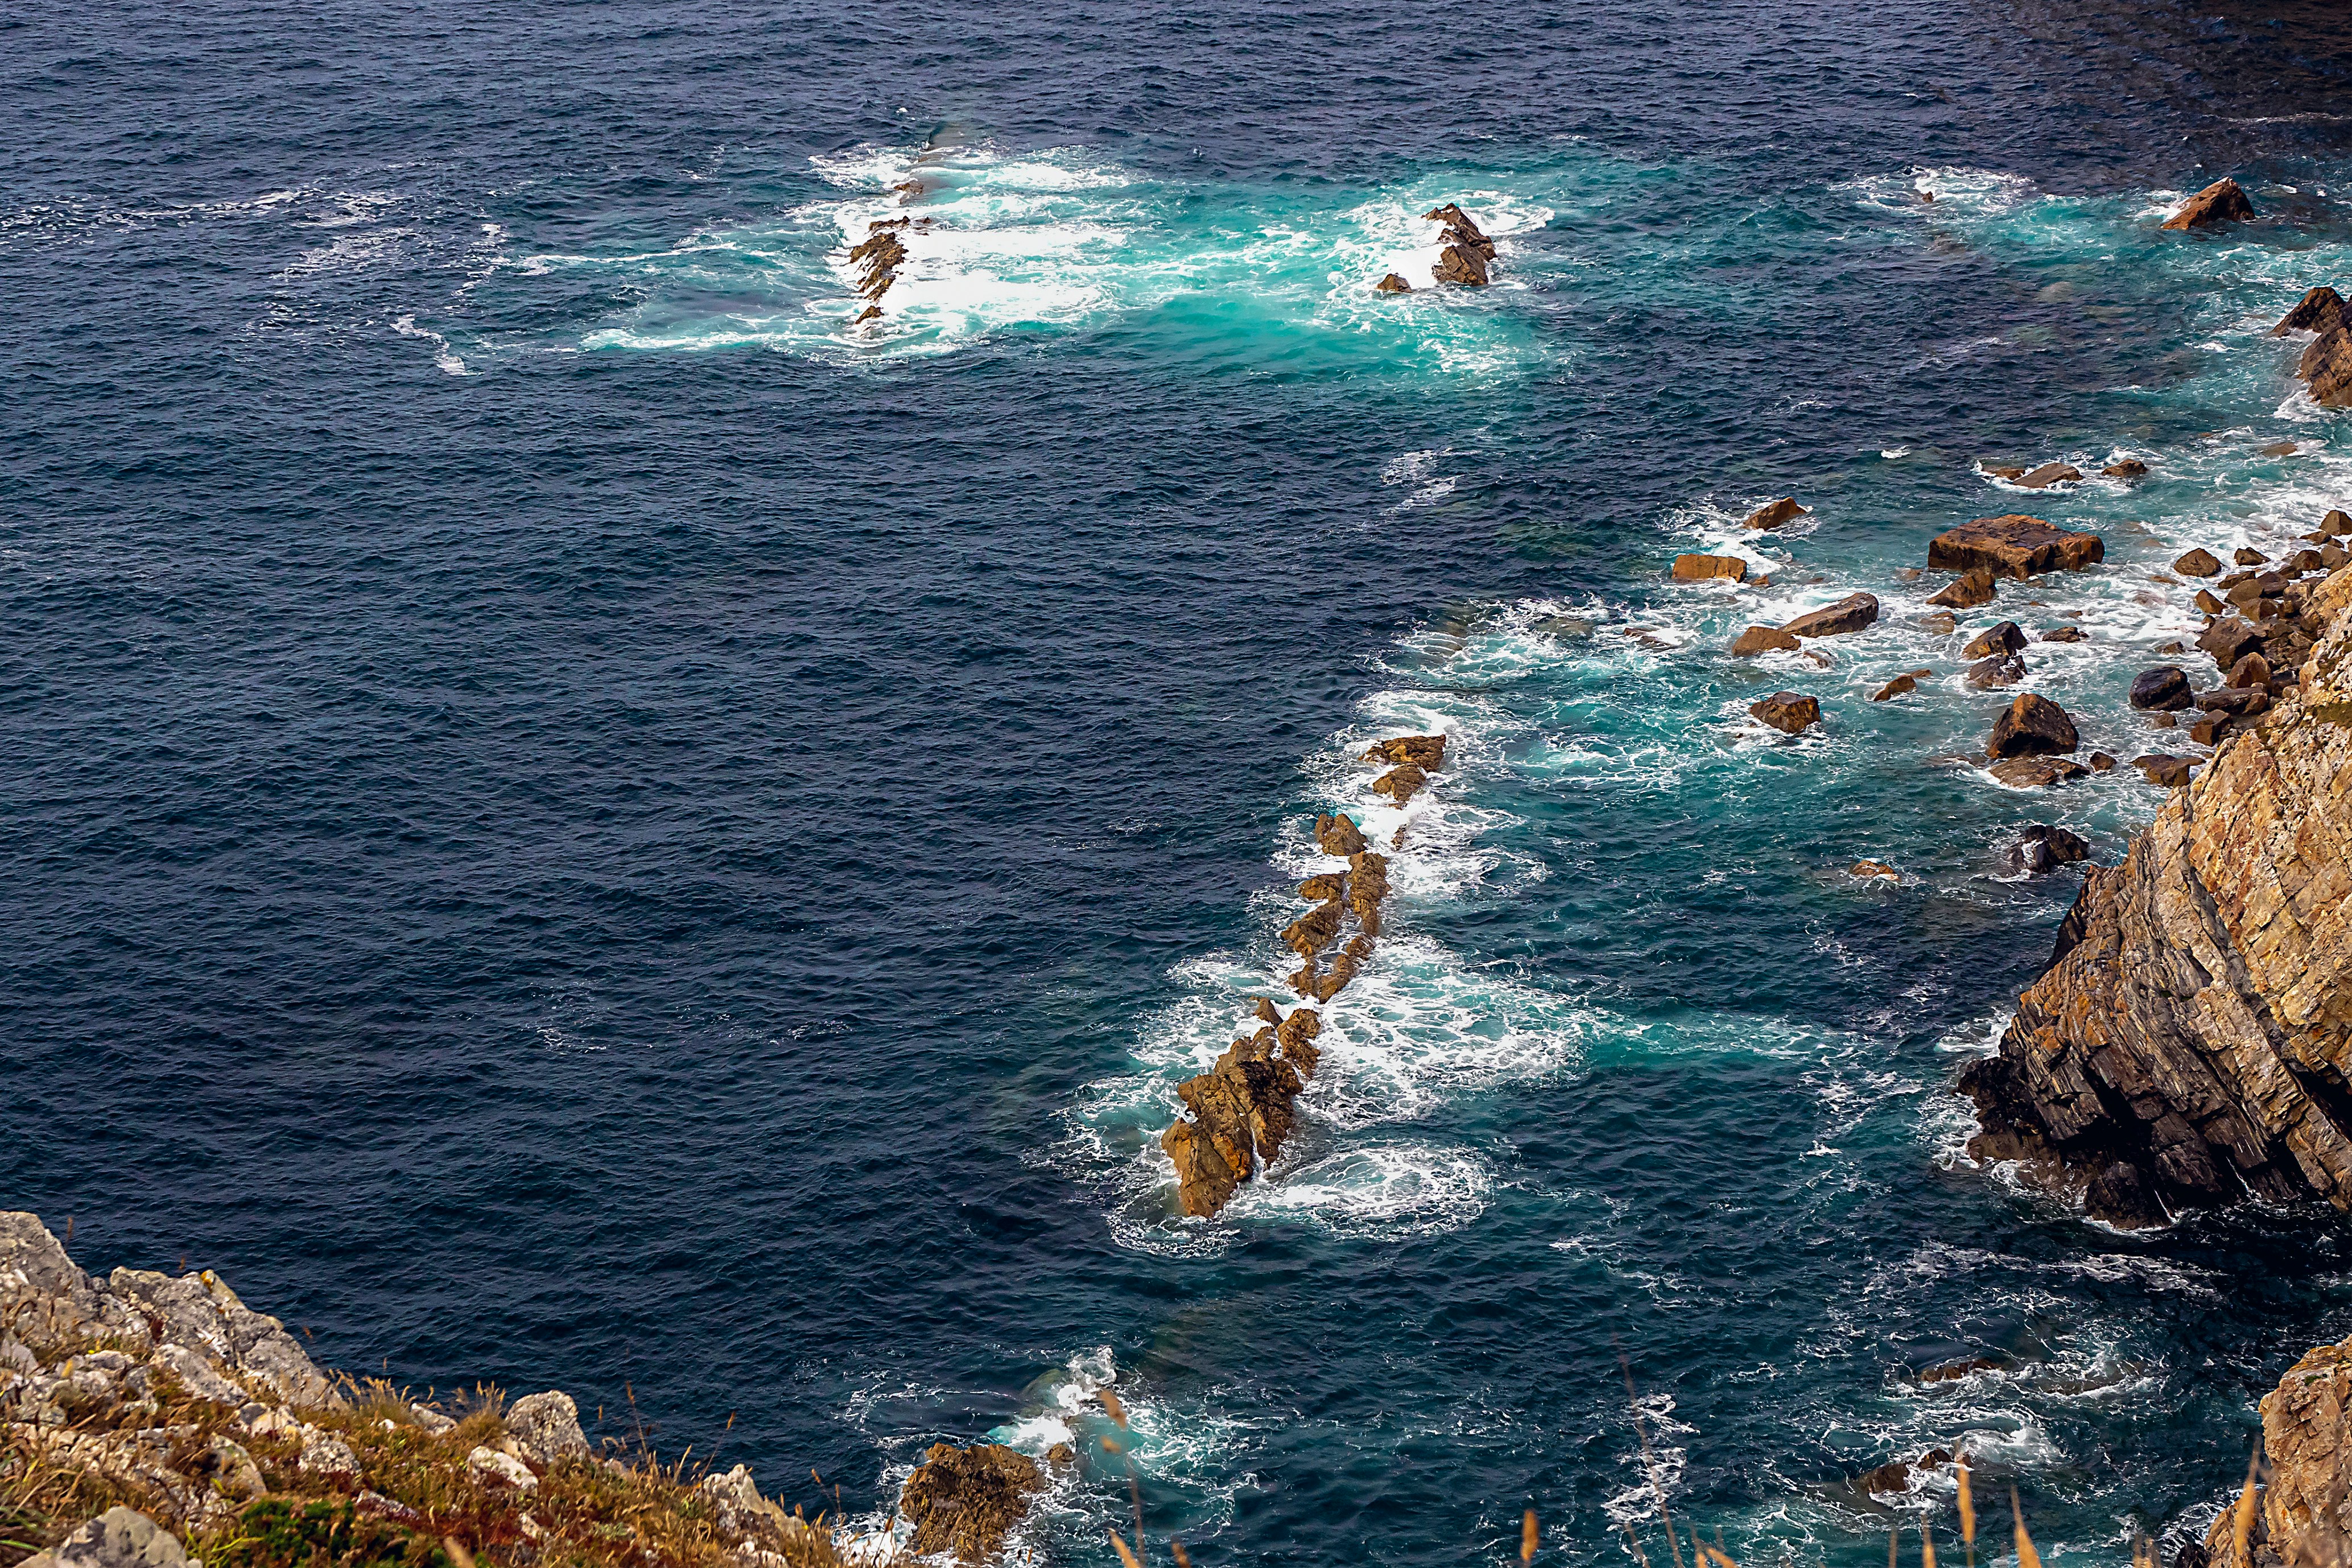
[(2191, 1041)]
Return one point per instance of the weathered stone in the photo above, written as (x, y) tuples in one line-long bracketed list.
[(2229, 641), (118, 1538), (1851, 614), (546, 1426), (1400, 782), (2246, 555), (2220, 202), (2001, 670), (2036, 772), (1424, 750), (2126, 468), (2101, 763), (1787, 711), (2299, 1516), (2197, 563), (2327, 367), (2163, 768), (1703, 568), (2201, 1029), (1391, 284), (2032, 726), (2336, 523), (1314, 929), (2006, 637), (1966, 592), (1322, 889), (2317, 311), (2049, 474), (1773, 514), (1460, 263), (965, 1500), (2253, 670), (1338, 834), (2163, 687), (2013, 546), (332, 1457), (1763, 639), (1205, 1180), (2044, 847)]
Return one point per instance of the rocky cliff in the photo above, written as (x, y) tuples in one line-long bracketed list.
[(2298, 1519), (2193, 1040)]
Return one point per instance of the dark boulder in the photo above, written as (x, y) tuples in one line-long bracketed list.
[(2119, 1197), (2229, 641), (2042, 848), (2006, 637), (2163, 688), (2317, 311), (1851, 614), (2001, 669), (2032, 726)]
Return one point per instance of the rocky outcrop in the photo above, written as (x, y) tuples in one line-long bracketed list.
[(1763, 639), (2192, 1041), (2220, 202), (1787, 711), (118, 1538), (2327, 367), (1464, 254), (2319, 311), (2044, 847), (964, 1500), (880, 254), (1703, 568), (2032, 727), (1851, 614), (1772, 514), (1964, 592), (2299, 1515), (2013, 546), (1391, 284)]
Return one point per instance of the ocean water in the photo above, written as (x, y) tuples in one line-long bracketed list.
[(570, 820)]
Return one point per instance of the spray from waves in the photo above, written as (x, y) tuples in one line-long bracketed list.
[(443, 356)]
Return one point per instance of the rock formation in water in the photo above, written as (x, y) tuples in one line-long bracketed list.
[(1772, 514), (2299, 1518), (2193, 1040), (964, 1500), (2326, 366), (1239, 1111), (2013, 546), (141, 1409), (1852, 613), (1466, 256), (2220, 202)]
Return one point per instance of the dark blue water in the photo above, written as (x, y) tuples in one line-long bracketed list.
[(566, 820)]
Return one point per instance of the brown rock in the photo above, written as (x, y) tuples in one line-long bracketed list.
[(2006, 637), (868, 314), (2065, 634), (1702, 568), (1964, 592), (2280, 449), (2013, 546), (2035, 773), (1324, 888), (1772, 514), (1459, 226), (2298, 1515), (1787, 713), (1763, 639), (1400, 782), (2011, 471), (2251, 670), (2336, 523), (2128, 469), (1895, 687), (2050, 474), (1851, 614), (2032, 726), (2317, 311), (2001, 669), (2305, 561), (1896, 1477), (1943, 623), (1459, 264), (2327, 367), (1874, 869), (2206, 602), (2248, 556), (2197, 563), (1312, 931), (2220, 202), (1424, 750), (2101, 763), (2229, 641), (2333, 557), (965, 1499), (1338, 834), (1391, 284), (2161, 687), (1268, 1012), (2164, 768)]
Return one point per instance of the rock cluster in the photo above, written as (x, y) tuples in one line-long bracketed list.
[(964, 1500), (2326, 363), (1240, 1110), (1466, 256), (880, 253), (2193, 1040)]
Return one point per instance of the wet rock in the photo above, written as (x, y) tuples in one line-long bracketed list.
[(1943, 623), (1296, 1037), (2032, 726), (2006, 637), (1955, 1371), (546, 1426), (1874, 869), (1890, 1479), (2206, 602), (1851, 614), (1464, 252), (2049, 474), (1205, 1180), (1424, 750), (1391, 284), (2001, 669), (1401, 782), (2220, 202), (1338, 834), (2119, 1197), (2280, 449), (2336, 523), (2044, 847), (1763, 639), (2101, 763), (2235, 702), (2036, 772), (2252, 669), (1313, 931), (1787, 711), (2303, 561), (118, 1538), (1704, 568), (2327, 367), (2164, 768), (1773, 514), (2013, 546), (1907, 681), (2229, 641), (2128, 469), (1322, 889), (2208, 730), (2198, 563), (2065, 634), (2162, 687), (2248, 556), (2317, 311), (964, 1500), (2011, 471), (1966, 592)]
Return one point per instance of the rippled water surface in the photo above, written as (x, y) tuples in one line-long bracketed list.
[(571, 820)]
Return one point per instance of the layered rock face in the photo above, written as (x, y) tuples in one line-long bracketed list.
[(2300, 1516), (2192, 1040)]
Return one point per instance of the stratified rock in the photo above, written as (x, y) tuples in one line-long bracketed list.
[(2128, 469), (964, 1500), (2327, 367), (2032, 726), (1702, 568), (1368, 885), (1772, 514), (2198, 563), (2050, 474), (1391, 284), (1787, 711), (2299, 1516), (1763, 639), (2317, 311), (2201, 1028), (118, 1538), (1851, 614), (2220, 202), (2044, 847), (2164, 768), (2003, 636), (2163, 688), (2336, 523), (1205, 1180), (2001, 670), (2013, 546), (1296, 1037), (1338, 834), (2036, 771), (1964, 592)]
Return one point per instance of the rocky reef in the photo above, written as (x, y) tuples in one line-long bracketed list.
[(1240, 1108), (147, 1419), (2191, 1041)]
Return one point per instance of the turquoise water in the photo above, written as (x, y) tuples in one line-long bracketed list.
[(579, 821)]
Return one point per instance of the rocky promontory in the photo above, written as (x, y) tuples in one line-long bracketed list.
[(2191, 1042)]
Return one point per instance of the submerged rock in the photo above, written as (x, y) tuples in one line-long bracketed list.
[(1424, 750), (2001, 670), (2049, 474), (2128, 469), (2220, 202), (964, 1500), (2013, 546)]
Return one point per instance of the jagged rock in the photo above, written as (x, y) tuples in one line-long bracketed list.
[(2198, 563), (1338, 834), (200, 1311), (1466, 252), (2005, 636), (1907, 681), (118, 1538), (1205, 1180), (546, 1426), (2206, 602), (2049, 474), (2044, 847), (1872, 870), (2163, 687), (2299, 1516), (1313, 931), (2253, 670), (1322, 889), (1704, 568), (2327, 367), (2220, 202), (965, 1499), (2013, 546), (1391, 284), (2317, 311), (1763, 639), (1787, 711), (2245, 555), (1851, 614), (1460, 229), (1772, 514), (2229, 641), (2001, 670), (1368, 885), (2238, 702), (1964, 592), (1424, 750), (1296, 1037), (2128, 469), (2036, 771), (1458, 264), (2201, 1029), (1401, 782)]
